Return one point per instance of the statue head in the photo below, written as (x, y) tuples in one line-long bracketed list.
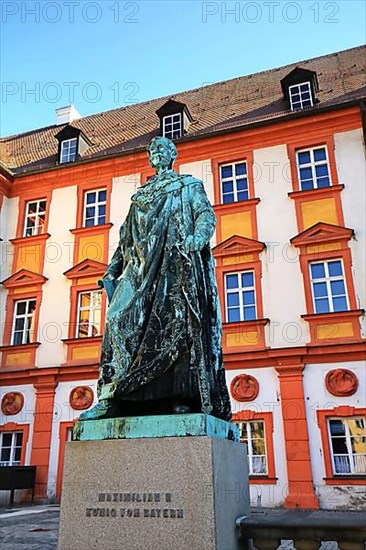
[(162, 153)]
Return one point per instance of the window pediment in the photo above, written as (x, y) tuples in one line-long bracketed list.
[(24, 277), (322, 233), (237, 245), (86, 268)]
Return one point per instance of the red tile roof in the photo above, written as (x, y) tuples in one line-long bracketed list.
[(222, 106)]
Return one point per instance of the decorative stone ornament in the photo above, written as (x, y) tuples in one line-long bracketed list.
[(341, 382), (81, 398), (12, 403), (244, 388)]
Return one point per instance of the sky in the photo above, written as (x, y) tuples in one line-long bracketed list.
[(100, 55)]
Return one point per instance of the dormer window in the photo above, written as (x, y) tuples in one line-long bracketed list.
[(299, 88), (172, 126), (68, 150), (175, 119), (300, 96), (72, 143)]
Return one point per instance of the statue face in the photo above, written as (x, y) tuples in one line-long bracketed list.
[(160, 154)]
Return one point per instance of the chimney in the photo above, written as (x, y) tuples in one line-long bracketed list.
[(65, 115)]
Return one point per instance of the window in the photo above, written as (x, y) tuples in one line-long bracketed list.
[(328, 286), (95, 208), (11, 448), (35, 214), (348, 445), (313, 168), (89, 314), (253, 434), (172, 126), (240, 297), (68, 150), (22, 323), (234, 182), (300, 96)]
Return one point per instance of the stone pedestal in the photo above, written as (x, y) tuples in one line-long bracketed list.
[(154, 493)]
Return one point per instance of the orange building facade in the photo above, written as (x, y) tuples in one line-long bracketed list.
[(286, 178)]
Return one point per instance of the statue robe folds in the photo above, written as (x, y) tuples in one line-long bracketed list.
[(163, 328)]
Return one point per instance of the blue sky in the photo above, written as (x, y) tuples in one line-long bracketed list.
[(105, 54)]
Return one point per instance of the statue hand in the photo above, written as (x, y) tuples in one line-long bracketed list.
[(194, 243)]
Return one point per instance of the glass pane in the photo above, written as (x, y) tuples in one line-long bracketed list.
[(228, 186), (101, 210), (306, 174), (18, 439), (322, 305), (243, 196), (358, 445), (247, 279), (7, 437), (90, 198), (90, 212), (228, 198), (243, 431), (323, 182), (102, 195), (89, 222), (242, 184), (17, 453), (18, 338), (42, 206), (101, 220), (233, 299), (5, 455), (339, 445), (258, 447), (320, 290), (321, 170), (232, 281), (336, 427), (304, 87), (342, 465), (249, 313), (85, 299), (340, 303), (32, 207), (335, 268), (356, 426), (337, 287), (248, 297), (226, 171), (317, 271), (259, 465), (20, 309), (31, 306), (304, 157), (240, 169), (257, 429), (233, 315), (305, 185), (19, 324), (320, 154)]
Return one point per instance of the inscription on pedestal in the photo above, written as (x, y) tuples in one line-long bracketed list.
[(112, 510)]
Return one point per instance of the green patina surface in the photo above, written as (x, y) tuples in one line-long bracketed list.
[(136, 427)]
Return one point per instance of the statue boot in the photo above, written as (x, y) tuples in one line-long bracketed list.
[(107, 408)]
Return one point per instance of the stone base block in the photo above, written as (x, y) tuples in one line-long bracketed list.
[(171, 493)]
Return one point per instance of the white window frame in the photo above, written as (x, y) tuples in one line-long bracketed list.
[(67, 156), (235, 179), (296, 89), (327, 280), (241, 289), (39, 215), (348, 436), (248, 423), (27, 328), (92, 308), (97, 204), (312, 165), (169, 119), (12, 448)]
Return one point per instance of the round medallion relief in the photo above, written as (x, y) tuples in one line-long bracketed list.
[(244, 387), (12, 403), (81, 398), (341, 382)]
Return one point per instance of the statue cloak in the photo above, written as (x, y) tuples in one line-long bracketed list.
[(163, 327)]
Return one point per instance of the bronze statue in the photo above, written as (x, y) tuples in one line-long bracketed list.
[(161, 351)]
